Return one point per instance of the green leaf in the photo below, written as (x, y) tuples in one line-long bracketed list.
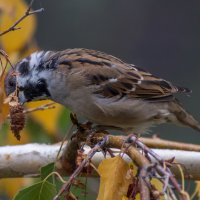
[(39, 191), (37, 131), (46, 170), (63, 122)]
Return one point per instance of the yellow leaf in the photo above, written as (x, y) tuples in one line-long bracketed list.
[(198, 188), (12, 10), (11, 140), (125, 198), (11, 186), (158, 186), (115, 178), (47, 118), (134, 168)]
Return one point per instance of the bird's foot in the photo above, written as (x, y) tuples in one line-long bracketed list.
[(132, 138)]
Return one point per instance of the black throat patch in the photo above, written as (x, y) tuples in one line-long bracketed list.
[(37, 91)]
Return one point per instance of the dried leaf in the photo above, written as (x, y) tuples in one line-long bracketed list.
[(17, 117), (17, 120), (116, 177), (71, 196), (158, 185)]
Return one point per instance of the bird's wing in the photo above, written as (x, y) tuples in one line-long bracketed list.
[(110, 77)]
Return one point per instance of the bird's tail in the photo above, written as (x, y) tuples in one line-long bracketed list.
[(183, 117)]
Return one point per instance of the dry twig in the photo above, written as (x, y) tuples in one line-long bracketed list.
[(42, 107), (67, 185), (139, 154), (26, 14), (161, 167), (3, 68)]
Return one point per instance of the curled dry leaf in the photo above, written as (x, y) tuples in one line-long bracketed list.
[(17, 117), (71, 196)]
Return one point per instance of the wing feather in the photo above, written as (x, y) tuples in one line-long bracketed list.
[(110, 77)]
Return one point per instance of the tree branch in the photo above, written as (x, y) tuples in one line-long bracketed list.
[(26, 160), (26, 14), (158, 143)]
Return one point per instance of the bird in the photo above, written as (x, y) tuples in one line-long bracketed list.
[(99, 87)]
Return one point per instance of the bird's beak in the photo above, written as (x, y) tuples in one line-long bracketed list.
[(22, 98)]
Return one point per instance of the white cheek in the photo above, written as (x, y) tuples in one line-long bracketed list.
[(21, 97), (21, 82), (35, 59), (45, 74)]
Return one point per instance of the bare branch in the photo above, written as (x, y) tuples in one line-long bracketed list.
[(26, 14), (39, 108), (91, 153), (3, 68), (26, 160), (158, 143), (162, 164)]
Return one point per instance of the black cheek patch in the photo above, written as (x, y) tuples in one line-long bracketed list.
[(42, 87), (38, 91), (23, 69)]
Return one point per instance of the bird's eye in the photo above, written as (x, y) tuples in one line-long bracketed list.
[(23, 68), (11, 83)]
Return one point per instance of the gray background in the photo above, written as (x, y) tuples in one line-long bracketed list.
[(161, 36)]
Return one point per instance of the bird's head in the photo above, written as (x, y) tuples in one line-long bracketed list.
[(29, 77)]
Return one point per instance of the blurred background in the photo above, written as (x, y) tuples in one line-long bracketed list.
[(162, 37)]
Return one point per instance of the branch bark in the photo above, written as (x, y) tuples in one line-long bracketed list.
[(158, 143), (26, 160)]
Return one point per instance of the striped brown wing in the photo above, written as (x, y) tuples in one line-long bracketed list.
[(132, 82), (110, 77)]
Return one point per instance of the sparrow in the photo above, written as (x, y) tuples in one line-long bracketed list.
[(99, 87)]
